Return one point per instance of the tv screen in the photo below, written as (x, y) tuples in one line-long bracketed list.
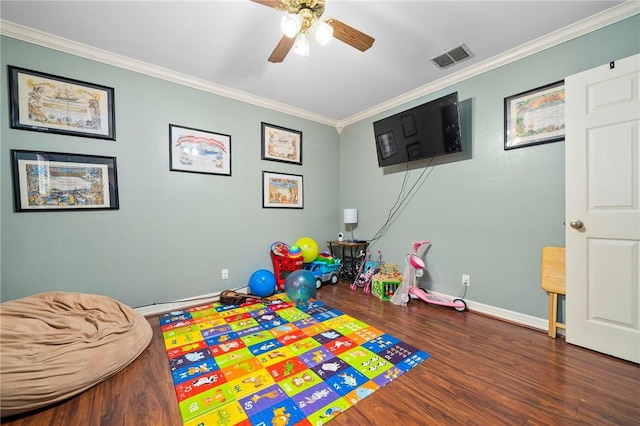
[(425, 131)]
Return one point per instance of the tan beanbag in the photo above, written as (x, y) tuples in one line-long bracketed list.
[(56, 345)]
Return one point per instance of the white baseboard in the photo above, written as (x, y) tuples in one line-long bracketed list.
[(492, 311), (512, 316), (505, 314), (180, 304)]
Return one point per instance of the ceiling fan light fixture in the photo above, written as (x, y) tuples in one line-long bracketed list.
[(323, 32), (301, 45), (303, 20), (291, 24)]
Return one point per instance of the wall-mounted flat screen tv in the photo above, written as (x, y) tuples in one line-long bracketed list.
[(425, 131)]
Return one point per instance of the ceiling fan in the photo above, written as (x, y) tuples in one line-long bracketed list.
[(302, 19)]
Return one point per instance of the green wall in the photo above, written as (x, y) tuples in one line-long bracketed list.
[(488, 212), (174, 231)]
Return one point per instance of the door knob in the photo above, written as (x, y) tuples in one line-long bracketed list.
[(576, 224)]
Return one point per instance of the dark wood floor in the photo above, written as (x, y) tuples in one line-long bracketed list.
[(481, 371)]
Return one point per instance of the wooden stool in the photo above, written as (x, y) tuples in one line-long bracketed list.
[(553, 282)]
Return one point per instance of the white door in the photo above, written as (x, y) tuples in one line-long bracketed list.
[(602, 163)]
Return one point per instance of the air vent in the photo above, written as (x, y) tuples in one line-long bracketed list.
[(453, 56)]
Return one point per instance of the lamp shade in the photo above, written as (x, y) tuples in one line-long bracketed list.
[(323, 32), (350, 215), (301, 45), (291, 25)]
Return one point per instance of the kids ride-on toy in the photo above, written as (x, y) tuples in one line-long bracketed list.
[(414, 270)]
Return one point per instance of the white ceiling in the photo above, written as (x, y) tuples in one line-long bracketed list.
[(227, 43)]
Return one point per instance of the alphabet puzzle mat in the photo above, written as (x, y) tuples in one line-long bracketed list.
[(273, 363)]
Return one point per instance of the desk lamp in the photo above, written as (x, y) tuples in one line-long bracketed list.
[(351, 218)]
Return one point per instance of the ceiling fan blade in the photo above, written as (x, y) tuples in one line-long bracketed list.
[(347, 34), (282, 49), (276, 4)]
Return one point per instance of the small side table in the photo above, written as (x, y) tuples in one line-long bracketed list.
[(348, 252)]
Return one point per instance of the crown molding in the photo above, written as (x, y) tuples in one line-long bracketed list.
[(595, 22), (50, 41)]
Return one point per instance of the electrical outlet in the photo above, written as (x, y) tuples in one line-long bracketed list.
[(466, 280), (225, 274)]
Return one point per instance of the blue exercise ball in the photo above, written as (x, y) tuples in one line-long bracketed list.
[(300, 286), (262, 283)]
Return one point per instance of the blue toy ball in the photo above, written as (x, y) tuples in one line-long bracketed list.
[(300, 287), (262, 283)]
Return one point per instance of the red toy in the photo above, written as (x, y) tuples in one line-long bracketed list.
[(285, 260)]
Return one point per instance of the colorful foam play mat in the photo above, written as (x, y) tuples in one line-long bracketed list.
[(270, 362)]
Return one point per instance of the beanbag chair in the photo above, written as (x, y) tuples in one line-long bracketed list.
[(56, 345)]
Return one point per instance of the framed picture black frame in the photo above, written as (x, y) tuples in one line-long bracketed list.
[(282, 190), (56, 181), (199, 151), (414, 151), (534, 117), (52, 104), (409, 125), (387, 145), (281, 144)]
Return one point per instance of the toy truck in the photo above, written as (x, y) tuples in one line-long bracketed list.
[(323, 271)]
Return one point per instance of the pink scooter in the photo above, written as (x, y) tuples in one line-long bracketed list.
[(418, 264)]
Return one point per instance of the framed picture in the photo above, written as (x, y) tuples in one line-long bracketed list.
[(281, 144), (199, 151), (414, 151), (282, 191), (48, 103), (386, 145), (534, 117), (53, 181), (408, 125)]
